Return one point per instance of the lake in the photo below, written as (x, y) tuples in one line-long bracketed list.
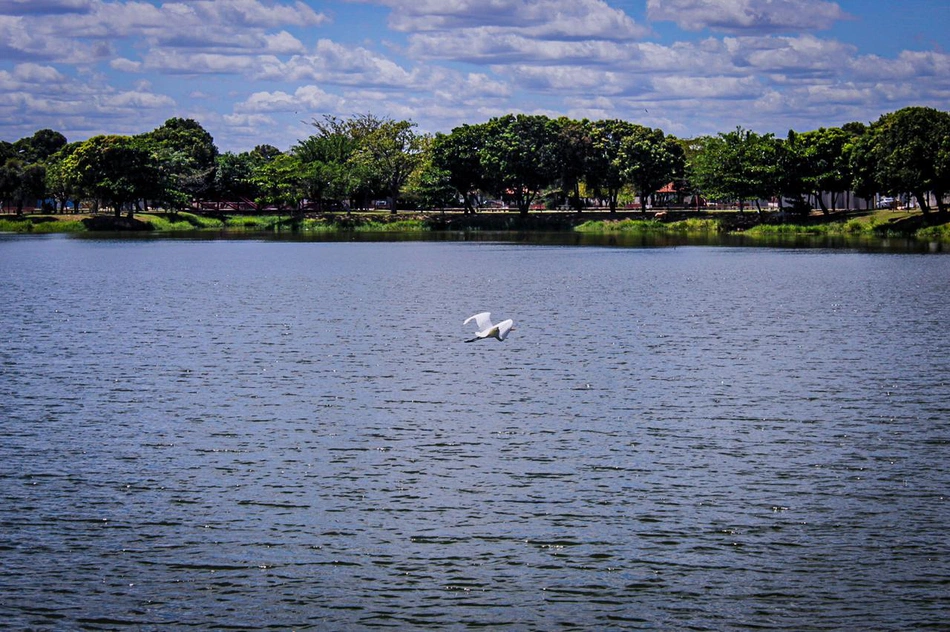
[(269, 434)]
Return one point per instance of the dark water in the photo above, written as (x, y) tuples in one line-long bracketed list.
[(273, 435)]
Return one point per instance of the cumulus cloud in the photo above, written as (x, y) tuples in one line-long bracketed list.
[(37, 73), (573, 80), (179, 62), (305, 98), (221, 25), (569, 19), (747, 15), (493, 46), (136, 100), (254, 68), (335, 63), (512, 31)]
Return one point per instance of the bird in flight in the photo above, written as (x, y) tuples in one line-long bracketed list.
[(487, 330)]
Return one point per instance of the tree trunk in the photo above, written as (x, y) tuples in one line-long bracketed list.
[(821, 203), (922, 202), (941, 204)]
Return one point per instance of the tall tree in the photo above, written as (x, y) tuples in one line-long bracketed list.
[(22, 183), (57, 184), (520, 157), (279, 182), (118, 170), (459, 155), (650, 161), (909, 151), (388, 155), (40, 146), (187, 157), (738, 166), (574, 148), (233, 177), (824, 162), (325, 156), (606, 170), (430, 184)]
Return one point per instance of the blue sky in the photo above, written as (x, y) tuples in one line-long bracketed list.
[(257, 71)]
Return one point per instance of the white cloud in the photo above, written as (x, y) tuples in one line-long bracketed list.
[(305, 98), (500, 46), (340, 65), (569, 19), (30, 72), (217, 26), (747, 15), (251, 69), (136, 100), (726, 88), (571, 80), (125, 65), (931, 67), (805, 54), (248, 122), (177, 62)]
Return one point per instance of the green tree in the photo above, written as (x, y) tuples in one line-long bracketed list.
[(459, 155), (908, 151), (606, 170), (823, 162), (23, 168), (57, 184), (187, 156), (387, 155), (233, 177), (793, 174), (650, 161), (22, 183), (739, 166), (430, 184), (325, 159), (118, 170), (519, 157), (40, 146), (574, 148), (279, 181)]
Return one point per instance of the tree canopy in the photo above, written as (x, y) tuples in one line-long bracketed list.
[(518, 158)]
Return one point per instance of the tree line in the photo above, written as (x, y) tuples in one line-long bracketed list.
[(524, 160)]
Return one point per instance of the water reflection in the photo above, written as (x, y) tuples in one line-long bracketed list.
[(560, 238)]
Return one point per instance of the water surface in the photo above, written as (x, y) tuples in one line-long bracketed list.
[(277, 435)]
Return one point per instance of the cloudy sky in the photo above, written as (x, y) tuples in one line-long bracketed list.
[(257, 71)]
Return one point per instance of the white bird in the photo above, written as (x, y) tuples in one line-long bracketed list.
[(487, 330)]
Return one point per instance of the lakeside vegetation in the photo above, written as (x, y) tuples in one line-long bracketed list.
[(514, 172), (878, 224)]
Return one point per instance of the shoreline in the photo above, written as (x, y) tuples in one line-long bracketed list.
[(879, 223)]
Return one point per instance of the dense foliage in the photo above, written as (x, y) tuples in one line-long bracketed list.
[(525, 161)]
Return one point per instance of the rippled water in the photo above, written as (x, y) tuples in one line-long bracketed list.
[(273, 435)]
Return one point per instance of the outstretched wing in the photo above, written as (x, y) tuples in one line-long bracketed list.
[(504, 327), (482, 321)]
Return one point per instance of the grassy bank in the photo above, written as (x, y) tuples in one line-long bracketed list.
[(881, 224), (631, 225)]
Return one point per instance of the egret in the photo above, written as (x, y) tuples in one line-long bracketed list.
[(487, 330)]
